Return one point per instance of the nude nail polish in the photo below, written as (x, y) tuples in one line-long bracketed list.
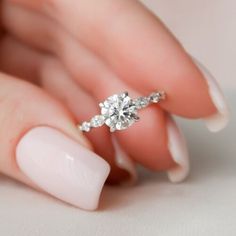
[(62, 167), (123, 161), (179, 152), (218, 121)]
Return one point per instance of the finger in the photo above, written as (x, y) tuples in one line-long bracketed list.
[(52, 77), (41, 146), (34, 29), (18, 60), (140, 50)]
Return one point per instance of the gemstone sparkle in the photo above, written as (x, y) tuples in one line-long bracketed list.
[(85, 126), (119, 111), (97, 121)]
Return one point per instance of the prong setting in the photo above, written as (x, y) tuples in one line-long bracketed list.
[(112, 129), (125, 94), (136, 118)]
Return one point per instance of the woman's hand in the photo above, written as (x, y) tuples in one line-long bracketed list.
[(59, 59)]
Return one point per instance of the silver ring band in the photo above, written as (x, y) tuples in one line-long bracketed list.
[(119, 111)]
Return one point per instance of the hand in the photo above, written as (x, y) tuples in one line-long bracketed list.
[(59, 60)]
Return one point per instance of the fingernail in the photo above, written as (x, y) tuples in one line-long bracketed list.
[(124, 162), (62, 167), (217, 121), (179, 152)]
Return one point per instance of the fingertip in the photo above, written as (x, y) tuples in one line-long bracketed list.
[(219, 120), (179, 152), (62, 167)]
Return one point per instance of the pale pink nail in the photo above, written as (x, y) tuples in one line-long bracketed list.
[(179, 152), (124, 162), (62, 167), (219, 120)]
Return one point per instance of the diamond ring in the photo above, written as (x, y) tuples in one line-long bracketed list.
[(119, 111)]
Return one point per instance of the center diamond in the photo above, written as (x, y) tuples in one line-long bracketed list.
[(119, 111)]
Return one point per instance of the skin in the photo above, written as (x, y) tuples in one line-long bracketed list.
[(58, 55)]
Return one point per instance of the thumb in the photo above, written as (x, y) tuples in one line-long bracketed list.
[(41, 146)]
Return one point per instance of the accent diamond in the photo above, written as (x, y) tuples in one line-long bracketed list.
[(141, 102), (156, 97), (85, 126), (119, 111), (97, 121)]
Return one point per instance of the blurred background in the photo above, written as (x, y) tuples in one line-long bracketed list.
[(207, 29), (205, 204)]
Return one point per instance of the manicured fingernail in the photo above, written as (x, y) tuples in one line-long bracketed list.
[(62, 167), (217, 121), (124, 162), (178, 149)]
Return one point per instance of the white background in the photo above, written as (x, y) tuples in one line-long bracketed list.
[(205, 204)]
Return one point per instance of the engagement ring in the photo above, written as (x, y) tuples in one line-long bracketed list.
[(119, 111)]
